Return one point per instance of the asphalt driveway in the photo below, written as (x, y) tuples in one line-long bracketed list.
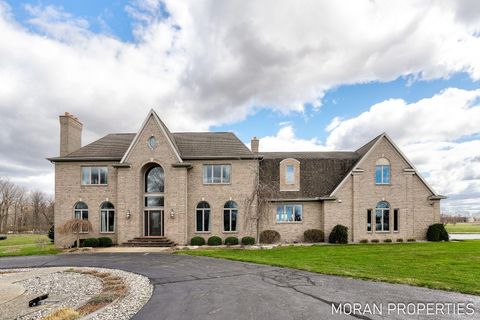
[(188, 287)]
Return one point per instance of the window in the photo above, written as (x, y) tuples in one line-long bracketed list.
[(107, 217), (289, 213), (230, 213), (382, 217), (203, 217), (395, 219), (81, 212), (216, 173), (369, 220), (154, 187), (94, 175), (152, 142), (289, 174), (382, 171)]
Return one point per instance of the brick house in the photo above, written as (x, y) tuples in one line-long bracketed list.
[(155, 183)]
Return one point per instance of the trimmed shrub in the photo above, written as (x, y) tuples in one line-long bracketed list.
[(91, 242), (104, 242), (269, 236), (374, 241), (214, 241), (3, 237), (314, 235), (363, 241), (248, 241), (399, 240), (387, 240), (51, 233), (411, 240), (82, 243), (230, 241), (339, 234), (437, 232), (197, 241)]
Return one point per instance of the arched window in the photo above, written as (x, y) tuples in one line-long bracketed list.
[(154, 187), (230, 213), (81, 212), (382, 171), (382, 216), (203, 217), (107, 217)]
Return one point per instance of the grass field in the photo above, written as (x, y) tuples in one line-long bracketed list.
[(26, 245), (449, 266), (463, 228)]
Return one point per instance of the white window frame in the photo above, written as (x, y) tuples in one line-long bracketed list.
[(209, 209), (81, 212), (289, 179), (382, 229), (382, 176), (230, 218), (90, 176), (107, 211), (210, 179), (284, 213)]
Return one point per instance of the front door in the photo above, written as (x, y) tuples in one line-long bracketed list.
[(153, 223)]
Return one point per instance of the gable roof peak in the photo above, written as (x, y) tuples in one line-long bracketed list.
[(165, 131)]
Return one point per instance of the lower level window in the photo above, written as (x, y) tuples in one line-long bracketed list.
[(395, 219), (369, 220), (81, 212), (203, 217), (107, 216), (382, 216), (289, 212)]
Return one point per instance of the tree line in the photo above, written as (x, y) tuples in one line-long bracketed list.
[(23, 210)]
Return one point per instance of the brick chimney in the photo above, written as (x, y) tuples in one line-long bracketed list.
[(70, 134), (254, 144)]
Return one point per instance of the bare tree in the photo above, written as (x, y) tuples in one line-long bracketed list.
[(8, 193), (38, 201), (258, 204), (76, 227), (19, 207)]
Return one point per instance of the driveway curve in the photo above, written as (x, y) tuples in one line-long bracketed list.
[(188, 287)]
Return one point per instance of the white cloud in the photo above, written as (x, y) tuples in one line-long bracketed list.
[(286, 140), (211, 62), (437, 134)]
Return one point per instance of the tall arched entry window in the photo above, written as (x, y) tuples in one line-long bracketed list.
[(107, 217), (154, 201), (382, 217)]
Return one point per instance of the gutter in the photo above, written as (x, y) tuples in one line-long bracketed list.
[(315, 199)]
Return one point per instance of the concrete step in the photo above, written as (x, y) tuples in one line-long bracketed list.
[(149, 242)]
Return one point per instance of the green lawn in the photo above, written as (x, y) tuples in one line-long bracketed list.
[(463, 228), (449, 266), (26, 245)]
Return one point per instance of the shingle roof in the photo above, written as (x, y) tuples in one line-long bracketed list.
[(112, 146), (194, 145), (190, 145), (320, 172)]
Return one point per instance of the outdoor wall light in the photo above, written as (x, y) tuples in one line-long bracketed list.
[(128, 214), (172, 214)]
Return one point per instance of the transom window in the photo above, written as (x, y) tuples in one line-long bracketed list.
[(154, 187), (382, 171), (216, 173), (81, 212), (94, 175), (203, 217), (382, 216), (290, 174), (107, 217), (230, 213), (289, 212)]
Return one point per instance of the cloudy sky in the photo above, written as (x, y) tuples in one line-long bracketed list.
[(300, 75)]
